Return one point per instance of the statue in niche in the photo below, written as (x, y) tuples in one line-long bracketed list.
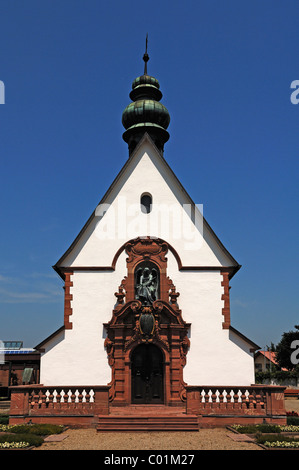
[(147, 285)]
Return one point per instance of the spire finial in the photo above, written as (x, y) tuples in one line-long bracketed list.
[(145, 55)]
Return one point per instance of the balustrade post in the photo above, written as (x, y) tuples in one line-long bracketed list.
[(19, 401), (193, 400), (275, 401), (101, 400)]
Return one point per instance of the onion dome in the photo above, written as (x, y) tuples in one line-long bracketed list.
[(145, 113)]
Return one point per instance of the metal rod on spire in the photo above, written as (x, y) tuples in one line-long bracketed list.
[(145, 56)]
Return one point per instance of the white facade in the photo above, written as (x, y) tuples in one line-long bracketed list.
[(77, 356)]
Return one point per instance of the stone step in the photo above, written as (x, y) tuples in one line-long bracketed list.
[(5, 404), (148, 410), (147, 423)]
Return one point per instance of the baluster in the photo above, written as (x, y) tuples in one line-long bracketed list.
[(224, 394), (258, 397), (246, 394), (55, 393), (262, 399), (247, 399), (40, 398), (232, 396), (32, 401), (77, 396), (91, 395), (217, 393), (62, 393), (203, 394), (84, 396), (69, 394), (252, 398), (210, 393), (47, 396)]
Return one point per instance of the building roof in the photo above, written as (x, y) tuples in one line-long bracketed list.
[(270, 356), (14, 348)]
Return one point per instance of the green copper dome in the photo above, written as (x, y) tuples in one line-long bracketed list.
[(145, 113), (145, 110)]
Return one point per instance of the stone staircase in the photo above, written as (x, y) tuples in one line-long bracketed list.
[(147, 418), (4, 404)]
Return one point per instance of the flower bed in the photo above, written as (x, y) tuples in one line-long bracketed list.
[(26, 435), (282, 444), (278, 441), (20, 440), (266, 428), (14, 445), (272, 436)]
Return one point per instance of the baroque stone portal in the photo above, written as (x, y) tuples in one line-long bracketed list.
[(147, 313)]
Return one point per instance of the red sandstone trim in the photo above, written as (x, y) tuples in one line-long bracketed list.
[(68, 297), (262, 403), (123, 336), (225, 297)]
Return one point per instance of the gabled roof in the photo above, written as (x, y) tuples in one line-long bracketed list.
[(234, 267), (270, 356), (253, 345)]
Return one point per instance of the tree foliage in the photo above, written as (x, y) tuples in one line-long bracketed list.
[(285, 350)]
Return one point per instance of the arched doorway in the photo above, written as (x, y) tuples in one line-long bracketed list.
[(147, 375)]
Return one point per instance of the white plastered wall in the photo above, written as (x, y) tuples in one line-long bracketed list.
[(216, 356), (77, 356)]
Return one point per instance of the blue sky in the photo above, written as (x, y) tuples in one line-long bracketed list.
[(225, 70)]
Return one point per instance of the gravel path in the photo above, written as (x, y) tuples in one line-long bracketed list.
[(204, 439)]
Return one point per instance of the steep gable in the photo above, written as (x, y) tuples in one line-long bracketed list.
[(174, 217)]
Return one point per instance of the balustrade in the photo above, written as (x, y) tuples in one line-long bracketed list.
[(55, 397), (259, 400), (78, 405), (39, 400)]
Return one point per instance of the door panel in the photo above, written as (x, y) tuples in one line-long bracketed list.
[(147, 375)]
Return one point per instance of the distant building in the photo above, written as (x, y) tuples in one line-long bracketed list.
[(265, 360), (18, 366)]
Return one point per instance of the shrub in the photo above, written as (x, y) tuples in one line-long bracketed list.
[(4, 419), (36, 429), (262, 438), (250, 429), (264, 428), (257, 428), (31, 439), (293, 420), (46, 429)]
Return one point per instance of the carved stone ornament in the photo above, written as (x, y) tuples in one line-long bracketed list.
[(146, 311)]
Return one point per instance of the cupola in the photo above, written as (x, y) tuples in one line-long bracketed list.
[(145, 113)]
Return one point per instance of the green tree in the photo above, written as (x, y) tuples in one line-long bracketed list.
[(286, 348)]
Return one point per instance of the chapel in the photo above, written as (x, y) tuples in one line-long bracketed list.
[(147, 299), (147, 281)]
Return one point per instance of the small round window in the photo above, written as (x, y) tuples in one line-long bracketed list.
[(146, 203)]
